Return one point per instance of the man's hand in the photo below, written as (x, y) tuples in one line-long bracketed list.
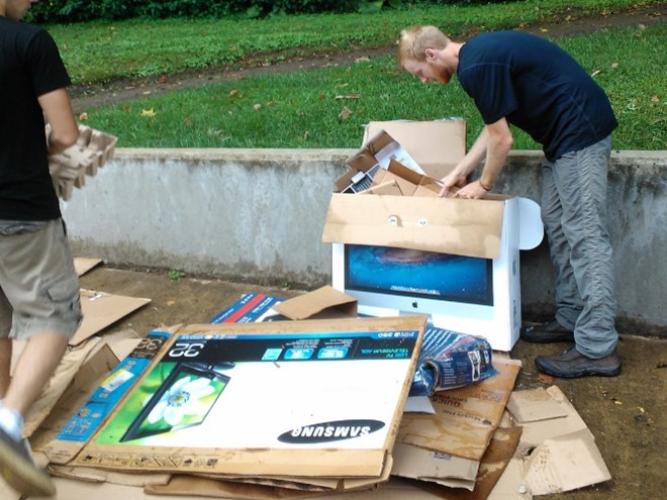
[(474, 190), (452, 182)]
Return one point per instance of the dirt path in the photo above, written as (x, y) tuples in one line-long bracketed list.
[(93, 96)]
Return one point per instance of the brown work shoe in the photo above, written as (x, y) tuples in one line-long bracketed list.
[(543, 333), (20, 471), (573, 364)]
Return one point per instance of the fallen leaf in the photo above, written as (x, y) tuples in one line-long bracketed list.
[(171, 302), (349, 96), (163, 79), (344, 113), (83, 116), (655, 98), (543, 378), (148, 113), (257, 107)]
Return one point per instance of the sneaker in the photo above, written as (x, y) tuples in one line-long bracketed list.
[(543, 333), (19, 470), (573, 364)]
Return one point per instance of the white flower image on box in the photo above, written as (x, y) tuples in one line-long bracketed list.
[(184, 398)]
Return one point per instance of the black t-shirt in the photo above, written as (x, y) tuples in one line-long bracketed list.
[(536, 86), (30, 66)]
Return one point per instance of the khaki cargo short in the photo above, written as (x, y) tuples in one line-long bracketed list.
[(39, 288)]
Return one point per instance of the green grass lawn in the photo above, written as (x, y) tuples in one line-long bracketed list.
[(303, 109), (103, 51)]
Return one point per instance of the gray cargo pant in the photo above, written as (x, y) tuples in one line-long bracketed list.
[(574, 211)]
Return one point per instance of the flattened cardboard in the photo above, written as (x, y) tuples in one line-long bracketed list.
[(66, 371), (347, 459), (465, 418), (535, 405), (68, 489), (437, 146), (511, 485), (101, 310), (87, 404), (535, 432), (390, 187), (447, 225), (427, 465), (218, 488), (323, 303), (94, 368), (91, 475), (565, 463), (84, 264), (409, 182)]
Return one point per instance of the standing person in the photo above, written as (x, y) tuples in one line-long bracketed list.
[(39, 289), (521, 79)]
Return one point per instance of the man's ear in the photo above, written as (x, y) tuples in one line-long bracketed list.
[(431, 55)]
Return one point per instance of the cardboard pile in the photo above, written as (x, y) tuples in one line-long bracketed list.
[(323, 399), (70, 167)]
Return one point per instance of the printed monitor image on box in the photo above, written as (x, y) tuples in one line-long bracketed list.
[(267, 399), (453, 259)]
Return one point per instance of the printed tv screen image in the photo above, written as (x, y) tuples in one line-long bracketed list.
[(417, 273), (172, 397)]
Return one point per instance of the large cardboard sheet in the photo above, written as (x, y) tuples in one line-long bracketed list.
[(465, 418), (101, 310), (84, 264), (306, 398)]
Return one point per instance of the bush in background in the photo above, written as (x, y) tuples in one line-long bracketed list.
[(85, 10)]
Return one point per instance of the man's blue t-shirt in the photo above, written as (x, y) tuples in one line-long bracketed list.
[(536, 86)]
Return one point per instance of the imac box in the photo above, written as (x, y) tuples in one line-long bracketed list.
[(456, 260)]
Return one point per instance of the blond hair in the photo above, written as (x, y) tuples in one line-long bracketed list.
[(416, 39)]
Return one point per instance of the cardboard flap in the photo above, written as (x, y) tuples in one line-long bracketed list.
[(531, 229), (325, 302), (565, 463), (101, 310), (534, 405), (437, 146), (446, 225)]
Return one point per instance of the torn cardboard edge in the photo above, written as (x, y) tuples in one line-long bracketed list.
[(82, 265), (101, 310), (436, 145), (324, 303), (557, 449), (333, 462)]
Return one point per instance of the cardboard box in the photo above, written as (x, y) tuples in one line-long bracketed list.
[(476, 293), (283, 398)]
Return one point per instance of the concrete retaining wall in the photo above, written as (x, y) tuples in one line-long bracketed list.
[(257, 215)]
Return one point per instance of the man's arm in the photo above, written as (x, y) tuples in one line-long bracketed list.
[(457, 177), (498, 145), (57, 108)]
